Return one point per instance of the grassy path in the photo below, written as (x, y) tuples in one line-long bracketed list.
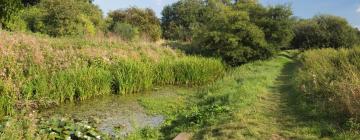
[(274, 114), (267, 106), (278, 114), (254, 101)]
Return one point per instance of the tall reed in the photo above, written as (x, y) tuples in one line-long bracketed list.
[(80, 84), (131, 77)]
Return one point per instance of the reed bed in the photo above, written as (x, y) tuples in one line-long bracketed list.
[(41, 87)]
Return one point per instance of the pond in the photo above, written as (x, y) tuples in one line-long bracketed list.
[(115, 115)]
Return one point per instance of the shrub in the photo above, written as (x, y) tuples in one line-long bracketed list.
[(126, 31), (324, 31), (232, 36), (275, 21), (332, 81), (180, 20), (143, 19), (64, 18), (8, 11), (34, 19)]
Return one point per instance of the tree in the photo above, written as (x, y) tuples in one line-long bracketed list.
[(127, 31), (143, 19), (324, 31), (275, 21), (64, 17), (182, 19), (9, 11), (231, 35), (277, 25)]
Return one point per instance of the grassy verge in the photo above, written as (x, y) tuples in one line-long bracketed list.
[(331, 85), (255, 101), (38, 72), (220, 103)]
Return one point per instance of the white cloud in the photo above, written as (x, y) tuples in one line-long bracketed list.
[(358, 10), (358, 27)]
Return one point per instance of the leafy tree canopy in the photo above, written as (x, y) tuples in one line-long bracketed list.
[(143, 19), (324, 31)]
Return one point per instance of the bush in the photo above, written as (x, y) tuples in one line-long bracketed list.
[(143, 19), (275, 21), (126, 31), (64, 18), (180, 20), (324, 31), (331, 83), (231, 36), (34, 19), (9, 10)]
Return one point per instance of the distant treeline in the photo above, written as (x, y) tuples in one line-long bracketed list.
[(237, 31)]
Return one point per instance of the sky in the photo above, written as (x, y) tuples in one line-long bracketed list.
[(349, 9)]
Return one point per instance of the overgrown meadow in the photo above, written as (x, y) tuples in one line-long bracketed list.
[(40, 72)]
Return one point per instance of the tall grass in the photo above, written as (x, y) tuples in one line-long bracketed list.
[(221, 102), (331, 81), (41, 87), (38, 71), (197, 70), (132, 76), (6, 101), (188, 71), (80, 84)]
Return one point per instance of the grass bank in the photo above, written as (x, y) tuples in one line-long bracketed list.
[(255, 101), (39, 72), (220, 105), (331, 84)]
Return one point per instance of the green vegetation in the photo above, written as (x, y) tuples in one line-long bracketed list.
[(40, 72), (181, 20), (236, 32), (331, 83), (65, 129), (61, 51), (220, 105), (8, 13), (143, 19), (126, 31), (46, 86), (255, 101), (324, 31)]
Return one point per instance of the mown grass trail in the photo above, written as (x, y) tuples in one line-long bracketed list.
[(279, 113), (274, 114), (258, 100)]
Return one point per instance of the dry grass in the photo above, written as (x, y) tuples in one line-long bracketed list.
[(331, 78)]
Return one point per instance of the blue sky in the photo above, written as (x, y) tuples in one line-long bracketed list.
[(349, 9)]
